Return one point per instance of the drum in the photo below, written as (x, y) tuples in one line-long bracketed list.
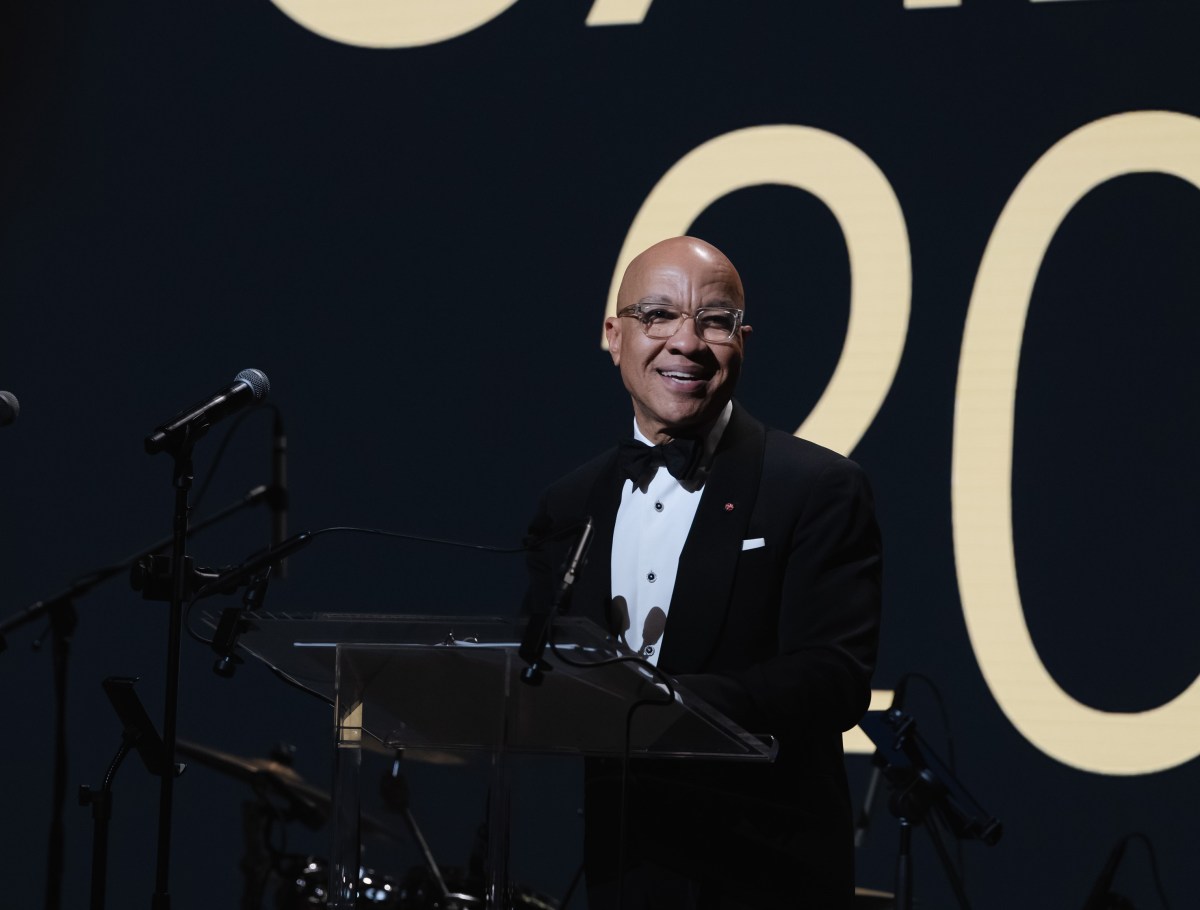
[(420, 892), (306, 882), (306, 885)]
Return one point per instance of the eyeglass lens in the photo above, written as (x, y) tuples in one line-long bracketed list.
[(713, 325)]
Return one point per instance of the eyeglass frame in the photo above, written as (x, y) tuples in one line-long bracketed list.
[(636, 310)]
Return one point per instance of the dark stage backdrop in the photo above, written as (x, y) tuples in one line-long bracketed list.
[(968, 235)]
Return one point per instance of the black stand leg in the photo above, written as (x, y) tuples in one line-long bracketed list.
[(182, 483), (101, 803), (101, 815), (939, 844), (257, 862), (62, 621), (394, 789), (904, 878), (904, 867)]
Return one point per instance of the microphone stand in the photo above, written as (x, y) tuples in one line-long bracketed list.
[(925, 791), (55, 605), (63, 618), (182, 483)]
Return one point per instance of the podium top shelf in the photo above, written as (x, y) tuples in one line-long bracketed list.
[(454, 683)]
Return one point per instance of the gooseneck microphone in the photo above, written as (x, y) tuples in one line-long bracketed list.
[(10, 408), (537, 628), (230, 579), (249, 387)]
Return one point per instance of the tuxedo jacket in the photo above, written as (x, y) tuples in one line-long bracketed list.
[(781, 637)]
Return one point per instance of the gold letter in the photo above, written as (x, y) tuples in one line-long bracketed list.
[(392, 23), (981, 480), (618, 12)]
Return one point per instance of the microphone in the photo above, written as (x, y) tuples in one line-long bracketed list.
[(537, 628), (277, 497), (249, 387), (577, 555), (9, 408), (236, 576)]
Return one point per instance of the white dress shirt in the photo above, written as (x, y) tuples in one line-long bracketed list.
[(651, 528)]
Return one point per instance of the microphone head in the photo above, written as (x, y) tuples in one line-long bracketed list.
[(10, 408), (257, 380)]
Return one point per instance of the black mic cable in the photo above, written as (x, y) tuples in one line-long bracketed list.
[(278, 495), (229, 578)]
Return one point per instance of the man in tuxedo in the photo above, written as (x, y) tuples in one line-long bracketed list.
[(744, 562)]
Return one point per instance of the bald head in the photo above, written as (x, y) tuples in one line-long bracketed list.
[(680, 254)]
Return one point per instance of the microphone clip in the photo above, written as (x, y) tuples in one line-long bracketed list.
[(234, 622), (152, 576)]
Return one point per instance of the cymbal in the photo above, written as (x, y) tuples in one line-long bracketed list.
[(310, 805), (424, 754), (244, 769), (867, 899)]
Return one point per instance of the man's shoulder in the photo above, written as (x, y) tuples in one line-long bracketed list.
[(789, 449), (581, 478), (802, 472), (786, 453)]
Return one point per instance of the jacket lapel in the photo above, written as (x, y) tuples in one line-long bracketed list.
[(709, 559)]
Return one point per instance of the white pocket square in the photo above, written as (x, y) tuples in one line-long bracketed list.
[(754, 543)]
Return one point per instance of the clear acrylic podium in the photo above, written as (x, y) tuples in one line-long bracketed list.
[(453, 683)]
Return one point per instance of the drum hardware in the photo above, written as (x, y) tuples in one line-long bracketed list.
[(282, 796), (430, 886), (306, 881), (393, 788)]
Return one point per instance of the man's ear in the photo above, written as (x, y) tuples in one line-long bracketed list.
[(612, 332)]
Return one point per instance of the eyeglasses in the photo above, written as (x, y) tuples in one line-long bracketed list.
[(714, 324)]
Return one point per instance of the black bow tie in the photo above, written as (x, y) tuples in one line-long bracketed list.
[(680, 456)]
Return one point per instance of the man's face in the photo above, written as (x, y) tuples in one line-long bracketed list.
[(678, 384)]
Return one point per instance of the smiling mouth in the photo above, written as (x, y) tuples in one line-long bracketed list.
[(680, 376)]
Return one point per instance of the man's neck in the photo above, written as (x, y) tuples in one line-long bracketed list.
[(711, 436), (700, 431)]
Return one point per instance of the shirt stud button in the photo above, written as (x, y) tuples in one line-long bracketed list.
[(658, 507), (651, 576), (648, 650)]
